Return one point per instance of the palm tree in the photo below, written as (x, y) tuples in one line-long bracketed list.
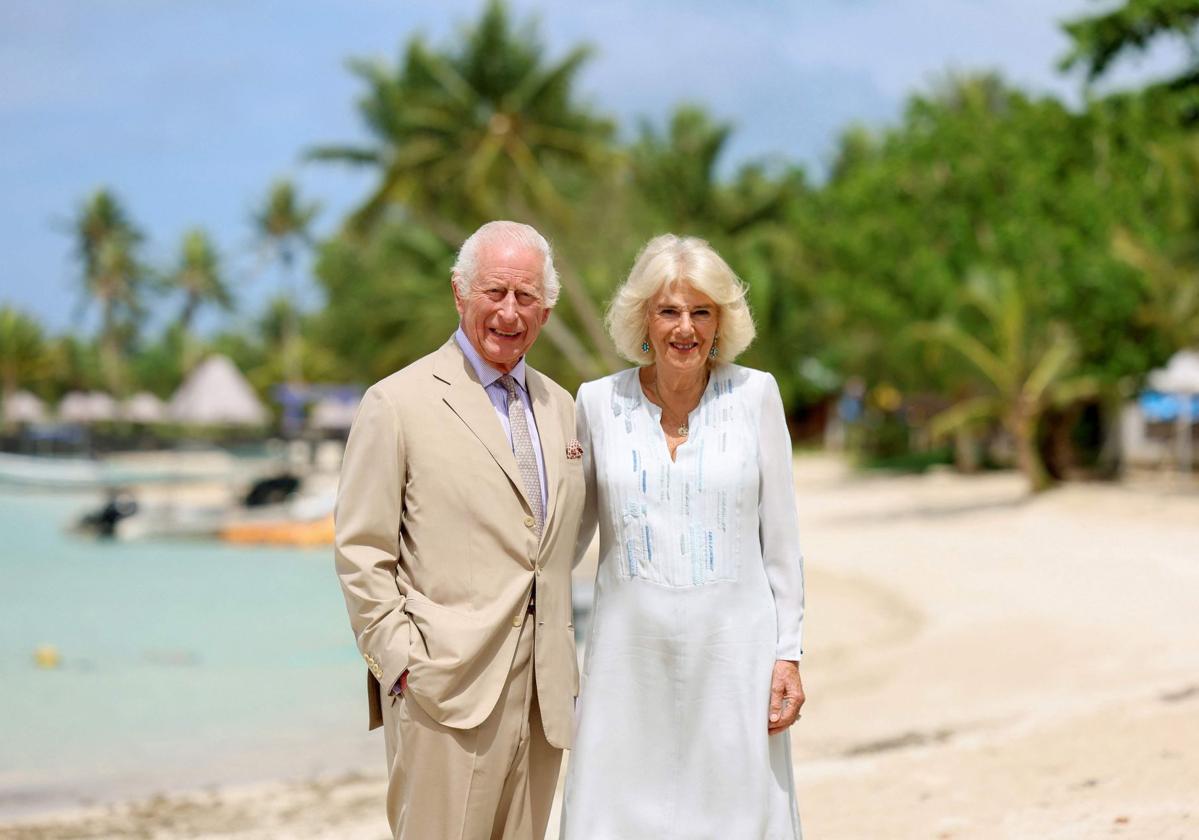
[(1021, 368), (23, 354), (473, 133), (481, 131), (106, 244), (283, 225), (199, 277), (676, 169)]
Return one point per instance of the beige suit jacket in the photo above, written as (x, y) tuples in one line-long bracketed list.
[(436, 546)]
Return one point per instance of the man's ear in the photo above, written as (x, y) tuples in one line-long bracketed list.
[(459, 303), (545, 315)]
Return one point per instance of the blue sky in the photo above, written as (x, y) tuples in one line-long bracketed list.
[(189, 108)]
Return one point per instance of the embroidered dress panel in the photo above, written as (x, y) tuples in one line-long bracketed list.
[(680, 518), (522, 447)]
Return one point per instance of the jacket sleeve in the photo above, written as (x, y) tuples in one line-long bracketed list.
[(370, 501)]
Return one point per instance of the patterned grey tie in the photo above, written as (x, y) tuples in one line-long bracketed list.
[(522, 447)]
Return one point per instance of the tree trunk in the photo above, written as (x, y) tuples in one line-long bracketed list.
[(1111, 453), (1023, 426), (188, 312), (965, 451), (292, 372), (110, 351), (588, 314), (1057, 444), (574, 351)]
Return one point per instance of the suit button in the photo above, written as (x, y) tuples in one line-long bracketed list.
[(517, 621), (530, 522)]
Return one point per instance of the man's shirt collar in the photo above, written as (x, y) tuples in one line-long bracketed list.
[(486, 373)]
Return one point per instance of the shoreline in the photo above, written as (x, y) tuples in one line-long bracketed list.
[(346, 804)]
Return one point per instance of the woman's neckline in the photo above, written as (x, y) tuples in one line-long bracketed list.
[(655, 411)]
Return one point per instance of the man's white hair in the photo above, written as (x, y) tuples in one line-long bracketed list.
[(466, 266)]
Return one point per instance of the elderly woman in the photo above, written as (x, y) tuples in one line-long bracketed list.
[(692, 665)]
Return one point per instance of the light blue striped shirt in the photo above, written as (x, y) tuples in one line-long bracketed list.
[(490, 377)]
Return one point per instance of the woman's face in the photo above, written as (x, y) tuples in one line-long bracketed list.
[(682, 327)]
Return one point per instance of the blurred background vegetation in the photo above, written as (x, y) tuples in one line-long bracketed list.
[(995, 264)]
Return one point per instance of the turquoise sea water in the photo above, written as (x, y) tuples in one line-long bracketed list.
[(184, 664)]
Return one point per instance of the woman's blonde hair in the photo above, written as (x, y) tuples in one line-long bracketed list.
[(665, 261)]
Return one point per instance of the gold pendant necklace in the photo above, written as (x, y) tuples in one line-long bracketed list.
[(684, 429)]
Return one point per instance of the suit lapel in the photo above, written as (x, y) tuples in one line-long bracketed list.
[(466, 398), (549, 430)]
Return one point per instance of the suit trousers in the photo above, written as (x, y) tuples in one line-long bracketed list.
[(493, 782)]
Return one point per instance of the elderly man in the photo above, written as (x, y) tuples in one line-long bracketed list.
[(459, 506)]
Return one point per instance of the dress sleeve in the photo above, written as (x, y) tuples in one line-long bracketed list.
[(778, 523), (590, 506)]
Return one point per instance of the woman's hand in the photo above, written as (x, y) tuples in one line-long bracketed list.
[(786, 695)]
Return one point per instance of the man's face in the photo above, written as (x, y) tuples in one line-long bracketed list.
[(504, 310)]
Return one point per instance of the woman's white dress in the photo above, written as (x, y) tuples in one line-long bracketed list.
[(699, 590)]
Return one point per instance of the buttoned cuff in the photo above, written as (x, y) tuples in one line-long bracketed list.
[(792, 651)]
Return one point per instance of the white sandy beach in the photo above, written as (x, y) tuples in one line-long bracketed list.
[(979, 665)]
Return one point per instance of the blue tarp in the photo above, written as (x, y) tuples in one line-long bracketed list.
[(294, 399), (1164, 408)]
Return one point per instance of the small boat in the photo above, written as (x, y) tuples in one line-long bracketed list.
[(304, 520), (303, 533), (277, 510)]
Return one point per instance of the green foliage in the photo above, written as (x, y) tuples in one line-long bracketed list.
[(1099, 41), (979, 176), (24, 356), (76, 366), (675, 172), (910, 462), (389, 299)]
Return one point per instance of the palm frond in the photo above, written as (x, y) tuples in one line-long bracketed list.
[(970, 348), (963, 415)]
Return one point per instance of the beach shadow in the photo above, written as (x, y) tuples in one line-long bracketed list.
[(926, 511), (899, 742), (1190, 692)]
